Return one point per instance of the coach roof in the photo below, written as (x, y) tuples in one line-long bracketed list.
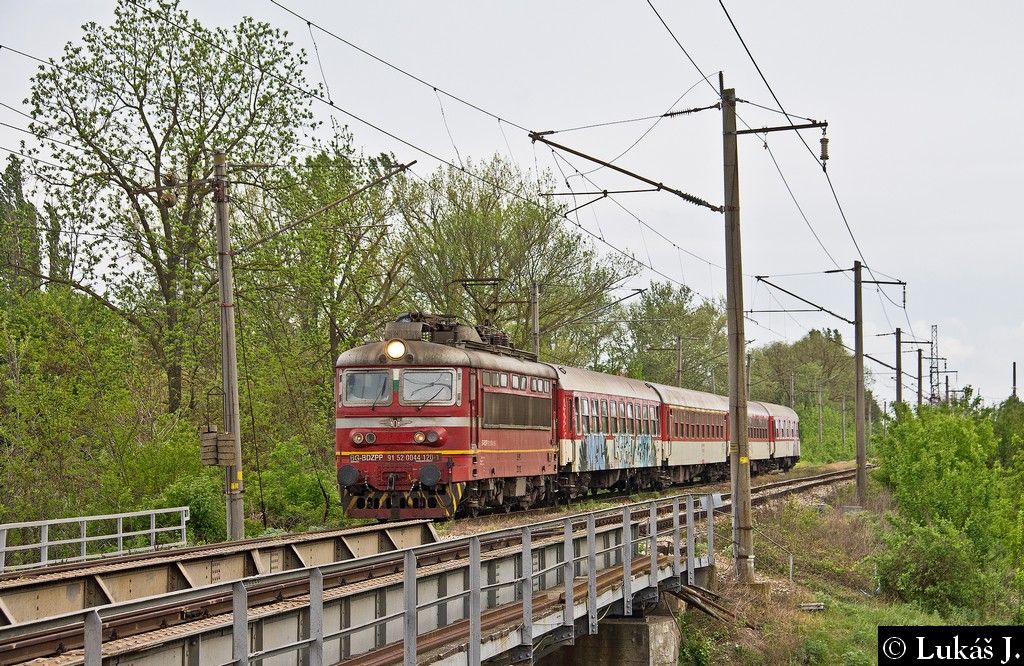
[(578, 379)]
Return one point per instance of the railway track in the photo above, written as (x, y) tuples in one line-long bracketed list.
[(140, 624)]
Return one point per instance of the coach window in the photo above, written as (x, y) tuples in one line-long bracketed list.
[(655, 422), (645, 423), (579, 418), (615, 419), (603, 423), (584, 415)]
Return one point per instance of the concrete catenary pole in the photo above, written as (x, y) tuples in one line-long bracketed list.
[(233, 481), (739, 453), (679, 361), (844, 423), (821, 438), (858, 318), (535, 317), (1014, 393), (792, 390), (899, 364)]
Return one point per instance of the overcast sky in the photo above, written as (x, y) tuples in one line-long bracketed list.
[(922, 100)]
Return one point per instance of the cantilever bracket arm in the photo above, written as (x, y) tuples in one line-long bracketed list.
[(697, 201)]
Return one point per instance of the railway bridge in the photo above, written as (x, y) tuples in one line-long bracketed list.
[(371, 595)]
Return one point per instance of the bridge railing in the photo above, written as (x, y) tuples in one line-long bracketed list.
[(43, 542), (435, 585)]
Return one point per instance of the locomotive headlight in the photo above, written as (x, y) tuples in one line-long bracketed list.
[(419, 437), (432, 436), (395, 349), (357, 438), (371, 438)]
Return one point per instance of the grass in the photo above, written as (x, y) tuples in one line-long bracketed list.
[(833, 554)]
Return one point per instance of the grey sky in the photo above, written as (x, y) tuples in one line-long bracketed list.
[(922, 100)]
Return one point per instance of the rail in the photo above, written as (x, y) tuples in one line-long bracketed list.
[(89, 537)]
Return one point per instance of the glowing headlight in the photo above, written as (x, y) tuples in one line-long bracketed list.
[(357, 438), (395, 349), (419, 438)]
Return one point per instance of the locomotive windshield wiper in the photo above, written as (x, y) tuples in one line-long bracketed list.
[(431, 398), (383, 392)]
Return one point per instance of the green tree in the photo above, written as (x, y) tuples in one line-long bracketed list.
[(458, 226), (20, 238), (647, 350), (150, 95), (1009, 428), (304, 296)]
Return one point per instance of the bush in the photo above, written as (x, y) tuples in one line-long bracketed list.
[(935, 566), (204, 496)]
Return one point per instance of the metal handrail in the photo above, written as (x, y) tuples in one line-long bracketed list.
[(115, 538)]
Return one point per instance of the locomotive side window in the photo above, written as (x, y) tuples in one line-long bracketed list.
[(427, 386), (367, 387)]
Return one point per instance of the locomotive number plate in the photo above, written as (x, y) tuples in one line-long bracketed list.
[(395, 457)]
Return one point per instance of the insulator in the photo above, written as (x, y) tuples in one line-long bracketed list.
[(824, 148)]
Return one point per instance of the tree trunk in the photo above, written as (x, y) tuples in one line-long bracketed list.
[(173, 370)]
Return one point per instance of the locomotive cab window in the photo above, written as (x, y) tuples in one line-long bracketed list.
[(427, 387), (367, 387)]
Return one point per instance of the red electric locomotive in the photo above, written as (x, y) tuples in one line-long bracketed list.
[(441, 419)]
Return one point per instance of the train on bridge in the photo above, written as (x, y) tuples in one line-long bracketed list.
[(441, 419)]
